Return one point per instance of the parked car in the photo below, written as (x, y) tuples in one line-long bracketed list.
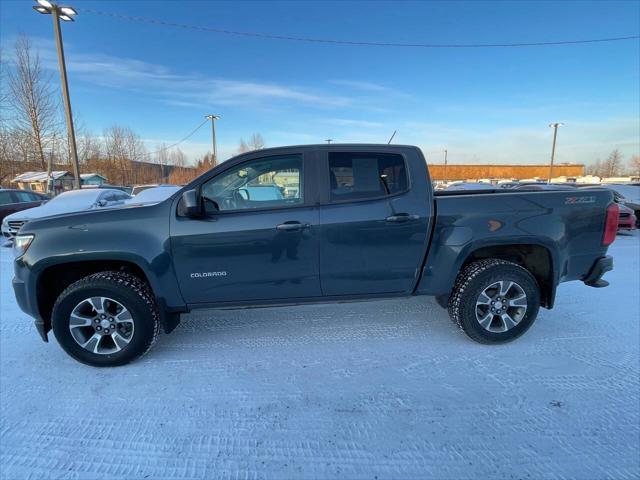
[(508, 184), (12, 201), (627, 195), (543, 186), (71, 201), (627, 219), (136, 189), (365, 224), (126, 190), (470, 186), (153, 195)]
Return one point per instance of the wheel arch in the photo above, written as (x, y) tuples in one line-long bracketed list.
[(534, 257), (54, 278)]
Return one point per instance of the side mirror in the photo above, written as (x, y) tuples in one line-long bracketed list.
[(102, 203), (191, 204)]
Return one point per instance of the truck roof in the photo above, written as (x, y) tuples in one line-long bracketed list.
[(334, 146)]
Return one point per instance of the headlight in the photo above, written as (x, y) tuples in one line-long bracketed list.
[(21, 244)]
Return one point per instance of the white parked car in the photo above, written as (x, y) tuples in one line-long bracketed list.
[(470, 186), (153, 194), (67, 202)]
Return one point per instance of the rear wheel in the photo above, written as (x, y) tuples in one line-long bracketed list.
[(106, 319), (494, 301)]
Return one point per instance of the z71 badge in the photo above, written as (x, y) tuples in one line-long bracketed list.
[(579, 200)]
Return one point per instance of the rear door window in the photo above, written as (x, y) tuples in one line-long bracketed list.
[(359, 176), (23, 197), (5, 198)]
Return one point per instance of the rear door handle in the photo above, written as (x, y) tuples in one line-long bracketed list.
[(402, 217), (292, 226)]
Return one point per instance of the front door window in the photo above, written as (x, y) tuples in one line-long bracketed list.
[(272, 182)]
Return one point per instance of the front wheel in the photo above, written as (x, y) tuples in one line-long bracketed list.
[(494, 301), (106, 319)]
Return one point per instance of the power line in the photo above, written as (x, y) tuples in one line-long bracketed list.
[(179, 142), (351, 42)]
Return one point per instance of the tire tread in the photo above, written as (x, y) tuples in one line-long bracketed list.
[(130, 282), (464, 281)]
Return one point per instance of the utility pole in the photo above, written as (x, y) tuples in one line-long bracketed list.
[(445, 167), (329, 140), (553, 147), (214, 151), (65, 13)]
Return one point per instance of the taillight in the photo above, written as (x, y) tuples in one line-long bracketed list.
[(611, 224)]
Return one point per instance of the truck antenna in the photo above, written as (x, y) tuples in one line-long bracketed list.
[(394, 134)]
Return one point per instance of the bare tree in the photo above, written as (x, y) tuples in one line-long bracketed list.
[(180, 173), (32, 98), (595, 168), (135, 151), (4, 92), (255, 143), (116, 154), (243, 146), (611, 166), (89, 147), (6, 155), (634, 165)]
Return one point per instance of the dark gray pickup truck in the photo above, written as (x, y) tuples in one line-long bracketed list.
[(313, 223)]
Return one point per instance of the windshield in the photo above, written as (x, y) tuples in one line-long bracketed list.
[(76, 197), (157, 194)]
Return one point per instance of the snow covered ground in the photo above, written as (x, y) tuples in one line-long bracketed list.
[(385, 389)]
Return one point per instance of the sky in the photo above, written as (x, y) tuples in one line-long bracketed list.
[(484, 105)]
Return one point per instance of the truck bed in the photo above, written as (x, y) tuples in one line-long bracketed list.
[(565, 225)]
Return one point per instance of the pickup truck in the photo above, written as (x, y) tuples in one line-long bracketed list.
[(357, 222)]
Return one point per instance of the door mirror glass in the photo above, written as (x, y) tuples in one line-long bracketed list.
[(191, 205)]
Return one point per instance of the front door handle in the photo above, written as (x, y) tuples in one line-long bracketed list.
[(292, 226), (401, 217)]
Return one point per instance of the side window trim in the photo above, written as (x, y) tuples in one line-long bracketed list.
[(326, 188)]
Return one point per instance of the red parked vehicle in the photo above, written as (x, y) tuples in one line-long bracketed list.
[(626, 218), (12, 201)]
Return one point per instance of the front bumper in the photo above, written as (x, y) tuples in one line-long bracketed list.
[(599, 268), (28, 303), (4, 229)]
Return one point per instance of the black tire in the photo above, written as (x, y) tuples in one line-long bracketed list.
[(124, 288), (473, 280), (443, 301)]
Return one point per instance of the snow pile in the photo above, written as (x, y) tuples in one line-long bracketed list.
[(388, 389)]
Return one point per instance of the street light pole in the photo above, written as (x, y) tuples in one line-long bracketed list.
[(65, 97), (553, 147), (66, 14), (445, 167), (214, 147)]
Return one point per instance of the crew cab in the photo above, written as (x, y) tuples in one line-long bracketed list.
[(355, 222)]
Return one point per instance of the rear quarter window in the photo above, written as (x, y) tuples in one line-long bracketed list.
[(358, 176)]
